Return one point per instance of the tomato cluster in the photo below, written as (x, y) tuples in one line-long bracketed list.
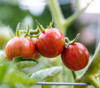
[(49, 43)]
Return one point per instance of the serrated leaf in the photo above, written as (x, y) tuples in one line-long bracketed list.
[(24, 64), (46, 74)]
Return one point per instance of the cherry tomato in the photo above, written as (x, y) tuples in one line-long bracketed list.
[(50, 43), (20, 46), (75, 56)]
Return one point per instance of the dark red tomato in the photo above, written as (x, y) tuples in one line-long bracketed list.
[(50, 43), (20, 46), (75, 56)]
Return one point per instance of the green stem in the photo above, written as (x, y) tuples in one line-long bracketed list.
[(94, 82), (91, 74), (75, 39), (72, 18), (67, 39), (74, 75), (33, 36), (77, 4), (56, 13), (57, 62), (34, 31), (94, 67)]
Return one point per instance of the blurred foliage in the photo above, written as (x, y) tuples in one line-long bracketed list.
[(11, 15)]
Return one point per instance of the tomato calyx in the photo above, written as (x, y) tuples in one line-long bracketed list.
[(41, 28), (17, 30), (68, 42)]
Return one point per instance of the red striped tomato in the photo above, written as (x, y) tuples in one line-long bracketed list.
[(50, 43), (75, 56), (20, 46)]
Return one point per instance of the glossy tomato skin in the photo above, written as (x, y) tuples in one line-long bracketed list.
[(75, 56), (50, 43), (20, 46)]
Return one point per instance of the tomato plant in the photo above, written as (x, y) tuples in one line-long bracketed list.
[(49, 43), (75, 56)]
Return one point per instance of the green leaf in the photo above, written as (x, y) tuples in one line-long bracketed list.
[(46, 74), (3, 69), (24, 64), (20, 58), (17, 59), (14, 77)]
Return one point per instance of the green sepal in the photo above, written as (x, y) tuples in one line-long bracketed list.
[(51, 23), (68, 42), (17, 30), (10, 33), (75, 39), (40, 27), (27, 32)]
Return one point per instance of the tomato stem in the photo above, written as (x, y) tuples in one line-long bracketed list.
[(34, 31), (74, 75), (34, 36), (67, 39), (75, 39), (68, 42)]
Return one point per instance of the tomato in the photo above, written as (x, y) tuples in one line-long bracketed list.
[(75, 56), (50, 43), (20, 46)]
